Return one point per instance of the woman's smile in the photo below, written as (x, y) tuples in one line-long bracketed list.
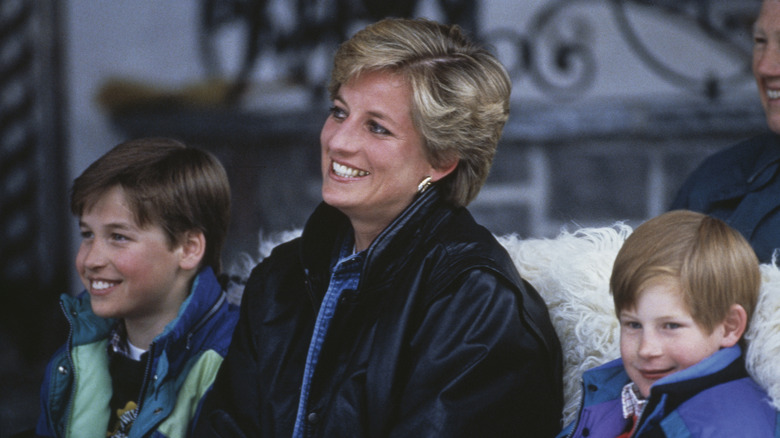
[(344, 171)]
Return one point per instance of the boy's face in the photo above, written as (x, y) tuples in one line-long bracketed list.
[(659, 336), (129, 272)]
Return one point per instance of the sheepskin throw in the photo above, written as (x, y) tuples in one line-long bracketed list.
[(763, 336), (571, 273)]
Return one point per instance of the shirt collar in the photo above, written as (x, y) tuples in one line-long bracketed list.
[(120, 344), (633, 402)]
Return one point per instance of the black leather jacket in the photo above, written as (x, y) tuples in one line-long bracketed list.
[(441, 338)]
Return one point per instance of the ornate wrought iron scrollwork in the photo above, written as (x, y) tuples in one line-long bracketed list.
[(297, 28), (556, 51), (725, 23), (563, 63)]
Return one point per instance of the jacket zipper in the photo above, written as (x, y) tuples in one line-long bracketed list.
[(69, 356), (205, 318), (582, 408), (150, 358), (147, 375), (579, 412)]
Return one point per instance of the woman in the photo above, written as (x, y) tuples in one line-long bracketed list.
[(395, 314)]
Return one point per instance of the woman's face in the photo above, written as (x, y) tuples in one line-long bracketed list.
[(372, 154)]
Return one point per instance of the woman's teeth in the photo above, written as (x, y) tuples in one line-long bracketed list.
[(347, 172)]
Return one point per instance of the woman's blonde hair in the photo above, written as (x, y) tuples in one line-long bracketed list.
[(460, 92), (712, 263)]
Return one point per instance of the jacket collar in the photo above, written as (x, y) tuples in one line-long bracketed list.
[(724, 365), (328, 227), (767, 158), (204, 299), (389, 251), (206, 295), (669, 393), (734, 172), (85, 326)]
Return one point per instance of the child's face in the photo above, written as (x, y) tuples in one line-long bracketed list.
[(660, 337), (130, 272)]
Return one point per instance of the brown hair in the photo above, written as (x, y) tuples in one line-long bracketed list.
[(713, 264), (166, 183), (460, 92)]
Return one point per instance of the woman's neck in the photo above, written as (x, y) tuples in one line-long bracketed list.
[(365, 234)]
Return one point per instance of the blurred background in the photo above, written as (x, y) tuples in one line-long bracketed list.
[(614, 103)]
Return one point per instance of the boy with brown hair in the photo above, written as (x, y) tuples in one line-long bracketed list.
[(150, 331), (684, 286)]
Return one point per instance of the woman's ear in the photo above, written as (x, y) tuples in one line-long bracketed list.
[(193, 248), (734, 325), (440, 172)]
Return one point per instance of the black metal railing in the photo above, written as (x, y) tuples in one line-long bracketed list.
[(296, 29), (555, 50)]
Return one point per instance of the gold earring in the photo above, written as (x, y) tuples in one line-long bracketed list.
[(424, 184)]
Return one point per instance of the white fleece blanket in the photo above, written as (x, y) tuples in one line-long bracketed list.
[(571, 273), (763, 336)]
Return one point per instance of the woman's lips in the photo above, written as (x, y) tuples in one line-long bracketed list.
[(344, 171)]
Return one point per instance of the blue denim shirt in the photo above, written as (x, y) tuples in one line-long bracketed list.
[(345, 275)]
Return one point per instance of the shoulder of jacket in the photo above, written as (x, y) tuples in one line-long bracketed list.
[(283, 254), (456, 258), (606, 380), (747, 413), (746, 150)]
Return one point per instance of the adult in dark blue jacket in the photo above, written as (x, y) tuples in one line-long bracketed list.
[(741, 184), (395, 314)]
